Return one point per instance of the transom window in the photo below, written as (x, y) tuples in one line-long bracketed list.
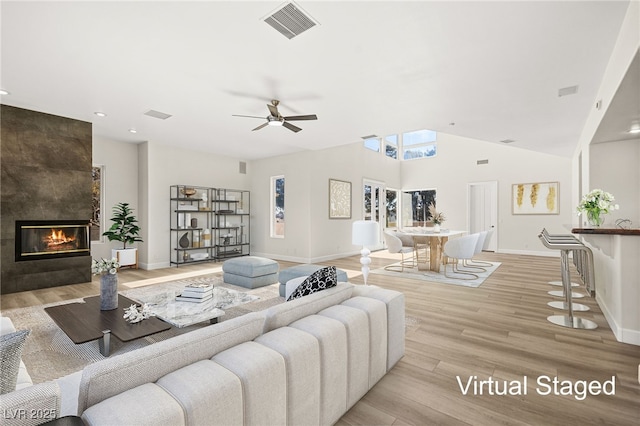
[(412, 145)]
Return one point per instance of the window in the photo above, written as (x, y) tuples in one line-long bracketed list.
[(97, 173), (391, 146), (373, 144), (416, 206), (392, 208), (277, 207), (419, 144)]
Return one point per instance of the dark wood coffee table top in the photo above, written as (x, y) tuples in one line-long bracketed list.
[(84, 322)]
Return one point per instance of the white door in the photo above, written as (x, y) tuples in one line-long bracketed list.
[(375, 205), (483, 210)]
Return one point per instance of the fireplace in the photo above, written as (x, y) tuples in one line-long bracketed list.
[(51, 239)]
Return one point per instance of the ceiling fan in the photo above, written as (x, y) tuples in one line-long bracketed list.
[(276, 119)]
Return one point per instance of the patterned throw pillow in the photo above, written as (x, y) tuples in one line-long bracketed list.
[(321, 279), (10, 352)]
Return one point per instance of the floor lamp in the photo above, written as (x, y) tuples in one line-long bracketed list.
[(365, 233)]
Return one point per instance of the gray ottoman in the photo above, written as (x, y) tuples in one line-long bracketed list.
[(250, 271), (303, 271)]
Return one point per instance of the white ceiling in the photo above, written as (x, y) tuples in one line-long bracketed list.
[(492, 68)]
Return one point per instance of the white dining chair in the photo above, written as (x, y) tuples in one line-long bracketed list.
[(477, 265), (460, 249), (394, 245)]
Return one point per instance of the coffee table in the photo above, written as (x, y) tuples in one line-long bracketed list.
[(182, 314), (85, 322)]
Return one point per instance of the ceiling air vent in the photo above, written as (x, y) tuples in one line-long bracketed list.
[(290, 20), (479, 162), (565, 91), (507, 141), (157, 114)]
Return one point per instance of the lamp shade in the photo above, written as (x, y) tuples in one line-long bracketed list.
[(365, 233)]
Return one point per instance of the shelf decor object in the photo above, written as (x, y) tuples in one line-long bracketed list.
[(535, 198), (365, 233), (339, 199)]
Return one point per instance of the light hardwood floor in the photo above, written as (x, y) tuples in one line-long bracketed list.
[(499, 330)]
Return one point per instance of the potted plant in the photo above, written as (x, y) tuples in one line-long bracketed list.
[(436, 217), (124, 229)]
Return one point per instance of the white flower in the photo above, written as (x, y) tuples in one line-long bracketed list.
[(104, 266)]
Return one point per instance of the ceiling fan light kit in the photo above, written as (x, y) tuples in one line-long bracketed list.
[(276, 119)]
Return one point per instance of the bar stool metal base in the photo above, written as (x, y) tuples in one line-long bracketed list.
[(575, 322), (559, 284), (559, 293), (564, 305)]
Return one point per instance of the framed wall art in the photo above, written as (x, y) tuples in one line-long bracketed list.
[(535, 198), (339, 199)]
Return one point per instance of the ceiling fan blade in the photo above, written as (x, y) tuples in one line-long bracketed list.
[(247, 116), (273, 110), (261, 126), (302, 117), (291, 127)]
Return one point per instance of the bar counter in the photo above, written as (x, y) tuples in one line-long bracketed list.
[(616, 255)]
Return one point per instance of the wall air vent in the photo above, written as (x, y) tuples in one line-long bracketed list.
[(369, 137), (482, 162), (243, 168), (157, 114), (290, 21)]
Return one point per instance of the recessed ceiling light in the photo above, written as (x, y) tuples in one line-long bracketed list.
[(635, 128), (133, 131), (100, 114), (4, 92)]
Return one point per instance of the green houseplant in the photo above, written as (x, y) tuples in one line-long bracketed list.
[(126, 230)]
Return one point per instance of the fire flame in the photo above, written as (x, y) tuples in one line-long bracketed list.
[(58, 236)]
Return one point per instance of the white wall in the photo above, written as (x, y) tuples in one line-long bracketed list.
[(120, 180), (615, 168), (309, 233), (456, 165)]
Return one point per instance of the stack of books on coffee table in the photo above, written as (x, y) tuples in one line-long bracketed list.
[(196, 293)]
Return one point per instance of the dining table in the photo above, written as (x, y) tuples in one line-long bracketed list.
[(432, 242)]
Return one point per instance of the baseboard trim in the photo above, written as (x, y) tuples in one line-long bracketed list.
[(623, 335)]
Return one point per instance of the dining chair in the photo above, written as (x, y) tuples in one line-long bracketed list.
[(394, 245), (460, 249), (477, 265)]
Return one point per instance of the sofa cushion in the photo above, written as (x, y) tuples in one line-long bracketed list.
[(264, 385), (301, 353), (10, 356), (250, 266), (147, 404), (207, 392), (321, 279), (395, 319), (286, 313), (115, 375)]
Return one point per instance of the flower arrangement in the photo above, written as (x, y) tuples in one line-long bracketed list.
[(436, 217), (104, 266), (133, 314), (595, 204)]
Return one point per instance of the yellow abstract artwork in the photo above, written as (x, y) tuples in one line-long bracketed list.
[(535, 198)]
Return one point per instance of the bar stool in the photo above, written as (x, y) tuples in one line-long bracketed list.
[(568, 320)]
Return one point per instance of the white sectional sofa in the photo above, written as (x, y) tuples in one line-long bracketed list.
[(303, 362), (28, 404)]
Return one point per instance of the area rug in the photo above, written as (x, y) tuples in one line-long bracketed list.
[(432, 276), (49, 354)]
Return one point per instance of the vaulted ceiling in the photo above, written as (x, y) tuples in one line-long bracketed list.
[(485, 70)]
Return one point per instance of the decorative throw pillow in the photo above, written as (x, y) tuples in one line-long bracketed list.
[(321, 279), (10, 352)]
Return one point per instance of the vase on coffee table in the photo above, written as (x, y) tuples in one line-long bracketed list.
[(108, 292)]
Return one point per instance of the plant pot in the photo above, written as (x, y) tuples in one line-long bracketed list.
[(126, 257), (108, 292), (436, 227), (595, 219)]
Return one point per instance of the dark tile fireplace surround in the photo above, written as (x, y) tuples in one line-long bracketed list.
[(46, 180)]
